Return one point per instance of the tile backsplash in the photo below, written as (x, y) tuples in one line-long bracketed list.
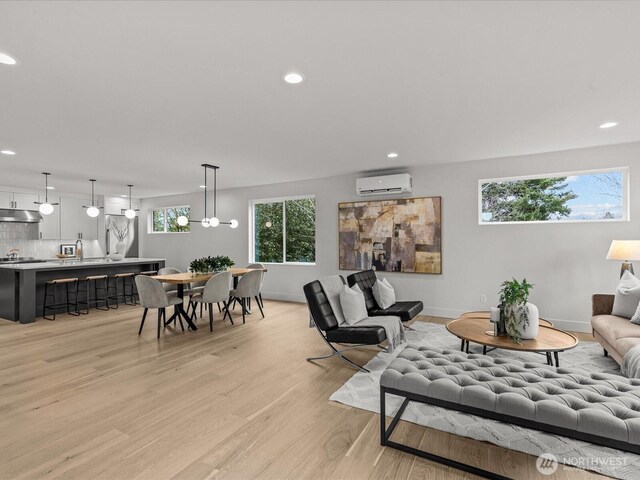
[(24, 237)]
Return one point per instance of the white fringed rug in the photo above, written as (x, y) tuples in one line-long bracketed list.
[(362, 391)]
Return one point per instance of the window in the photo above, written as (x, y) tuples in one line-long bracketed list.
[(165, 220), (587, 196), (284, 230)]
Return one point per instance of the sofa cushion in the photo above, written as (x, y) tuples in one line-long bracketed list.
[(405, 310), (613, 328), (627, 296)]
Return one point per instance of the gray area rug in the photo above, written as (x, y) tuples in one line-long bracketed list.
[(362, 391)]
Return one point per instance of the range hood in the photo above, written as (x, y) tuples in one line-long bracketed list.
[(20, 216)]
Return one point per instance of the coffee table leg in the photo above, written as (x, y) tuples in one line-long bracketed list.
[(555, 354), (484, 349), (467, 346), (462, 346)]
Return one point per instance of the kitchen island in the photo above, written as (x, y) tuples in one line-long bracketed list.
[(22, 284)]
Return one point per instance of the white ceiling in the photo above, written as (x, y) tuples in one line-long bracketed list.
[(144, 92)]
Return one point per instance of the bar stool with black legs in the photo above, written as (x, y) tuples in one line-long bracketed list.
[(100, 292), (50, 289), (128, 289)]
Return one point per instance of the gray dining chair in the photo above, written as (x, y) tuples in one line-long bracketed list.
[(169, 287), (248, 287), (259, 266), (152, 295), (216, 290)]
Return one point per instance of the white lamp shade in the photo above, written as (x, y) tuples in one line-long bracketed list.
[(205, 222), (624, 250), (130, 214), (45, 208), (93, 211), (214, 222), (182, 220), (233, 223)]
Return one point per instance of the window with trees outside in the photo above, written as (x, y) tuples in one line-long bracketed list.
[(165, 220), (588, 196), (284, 230)]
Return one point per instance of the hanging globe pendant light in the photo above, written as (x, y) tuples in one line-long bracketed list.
[(46, 208), (130, 213), (93, 211)]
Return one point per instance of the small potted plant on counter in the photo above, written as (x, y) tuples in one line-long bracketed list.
[(519, 316)]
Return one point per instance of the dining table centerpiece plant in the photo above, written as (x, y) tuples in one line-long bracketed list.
[(521, 318), (210, 264)]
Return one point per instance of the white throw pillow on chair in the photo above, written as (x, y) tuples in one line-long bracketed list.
[(353, 305), (384, 293)]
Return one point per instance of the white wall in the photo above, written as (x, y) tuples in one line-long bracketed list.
[(564, 261)]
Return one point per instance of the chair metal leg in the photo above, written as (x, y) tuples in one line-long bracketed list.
[(261, 302), (260, 306), (210, 317), (144, 316), (159, 320), (244, 310), (335, 352)]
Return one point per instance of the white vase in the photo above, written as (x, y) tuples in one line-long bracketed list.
[(121, 248), (527, 332)]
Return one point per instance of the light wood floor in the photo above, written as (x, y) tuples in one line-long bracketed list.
[(85, 397)]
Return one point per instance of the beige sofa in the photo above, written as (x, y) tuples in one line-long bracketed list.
[(617, 335)]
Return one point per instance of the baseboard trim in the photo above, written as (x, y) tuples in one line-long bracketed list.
[(570, 325), (284, 297)]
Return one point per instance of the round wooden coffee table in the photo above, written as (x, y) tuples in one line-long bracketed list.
[(475, 327)]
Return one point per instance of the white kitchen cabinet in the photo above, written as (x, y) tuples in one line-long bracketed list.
[(74, 221), (19, 201), (25, 201), (50, 226), (69, 223), (88, 226), (6, 200)]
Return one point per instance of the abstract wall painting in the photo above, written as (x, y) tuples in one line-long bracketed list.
[(391, 235)]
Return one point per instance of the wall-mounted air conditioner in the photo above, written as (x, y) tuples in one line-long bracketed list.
[(385, 185)]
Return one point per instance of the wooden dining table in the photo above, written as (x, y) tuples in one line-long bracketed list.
[(182, 279)]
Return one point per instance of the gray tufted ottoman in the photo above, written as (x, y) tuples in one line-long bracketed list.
[(594, 407)]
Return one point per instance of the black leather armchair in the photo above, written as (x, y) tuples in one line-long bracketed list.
[(327, 325), (365, 280)]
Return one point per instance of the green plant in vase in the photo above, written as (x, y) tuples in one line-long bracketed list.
[(515, 309)]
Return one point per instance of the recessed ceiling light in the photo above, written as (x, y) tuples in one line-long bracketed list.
[(123, 196), (608, 124), (8, 152), (392, 155), (49, 187), (6, 59), (203, 186), (293, 78)]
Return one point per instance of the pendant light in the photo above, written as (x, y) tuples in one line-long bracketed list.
[(130, 213), (205, 220), (215, 221), (93, 211), (46, 208)]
